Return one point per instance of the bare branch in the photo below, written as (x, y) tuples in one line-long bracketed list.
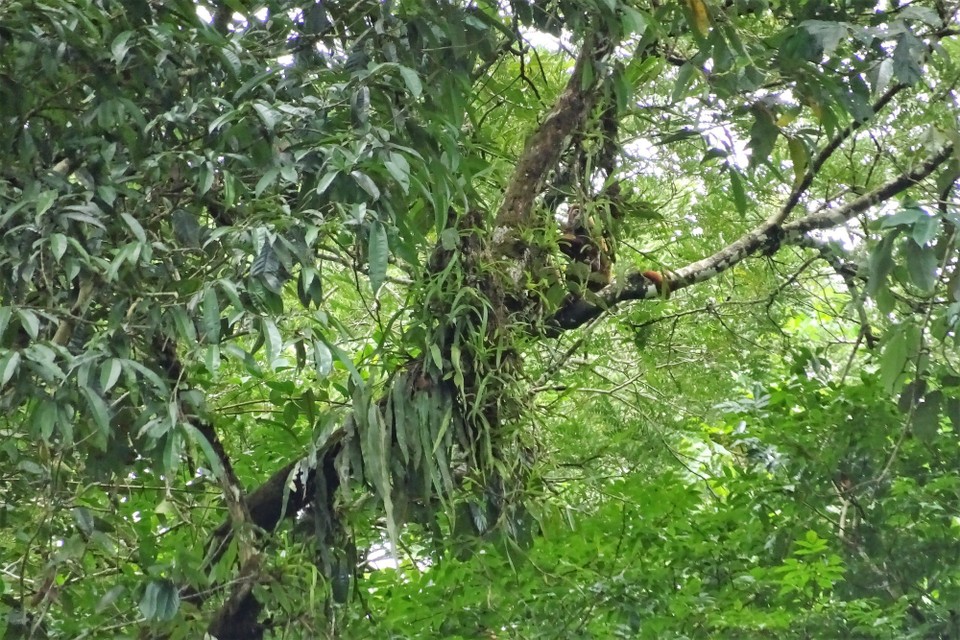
[(821, 158)]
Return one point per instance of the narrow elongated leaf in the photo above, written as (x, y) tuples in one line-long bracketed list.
[(109, 598), (9, 362), (398, 404), (109, 374), (378, 254), (739, 194), (58, 246), (399, 168), (367, 184), (266, 180), (120, 46), (44, 419), (881, 263), (800, 158), (326, 181), (272, 339), (925, 229), (903, 217), (763, 135), (101, 417), (897, 352), (134, 226), (216, 465), (922, 266), (30, 322), (412, 80), (211, 316)]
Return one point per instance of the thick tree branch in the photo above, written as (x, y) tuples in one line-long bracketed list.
[(767, 238), (793, 231), (545, 146), (287, 492)]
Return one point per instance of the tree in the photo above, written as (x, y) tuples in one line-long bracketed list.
[(284, 283)]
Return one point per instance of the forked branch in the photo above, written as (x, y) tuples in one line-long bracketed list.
[(765, 239)]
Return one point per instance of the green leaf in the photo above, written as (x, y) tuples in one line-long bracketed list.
[(739, 194), (272, 339), (161, 601), (205, 178), (186, 228), (412, 80), (151, 376), (120, 46), (449, 239), (211, 316), (828, 34), (109, 598), (399, 168), (952, 410), (378, 254), (685, 78), (881, 263), (799, 157), (309, 287), (58, 246), (266, 267), (44, 419), (398, 405), (5, 314), (266, 181), (101, 417), (922, 266), (135, 227), (107, 193), (367, 184), (268, 115), (763, 135), (211, 358), (322, 358), (907, 58), (437, 357), (84, 520), (186, 332), (326, 181), (44, 201), (256, 81), (288, 173), (201, 440), (110, 373), (925, 229), (926, 417), (360, 105), (634, 22), (589, 75), (9, 362), (30, 322), (904, 217), (896, 352)]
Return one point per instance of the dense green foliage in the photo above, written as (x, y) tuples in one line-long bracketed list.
[(290, 346)]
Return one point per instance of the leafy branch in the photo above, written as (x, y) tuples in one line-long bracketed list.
[(767, 238)]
